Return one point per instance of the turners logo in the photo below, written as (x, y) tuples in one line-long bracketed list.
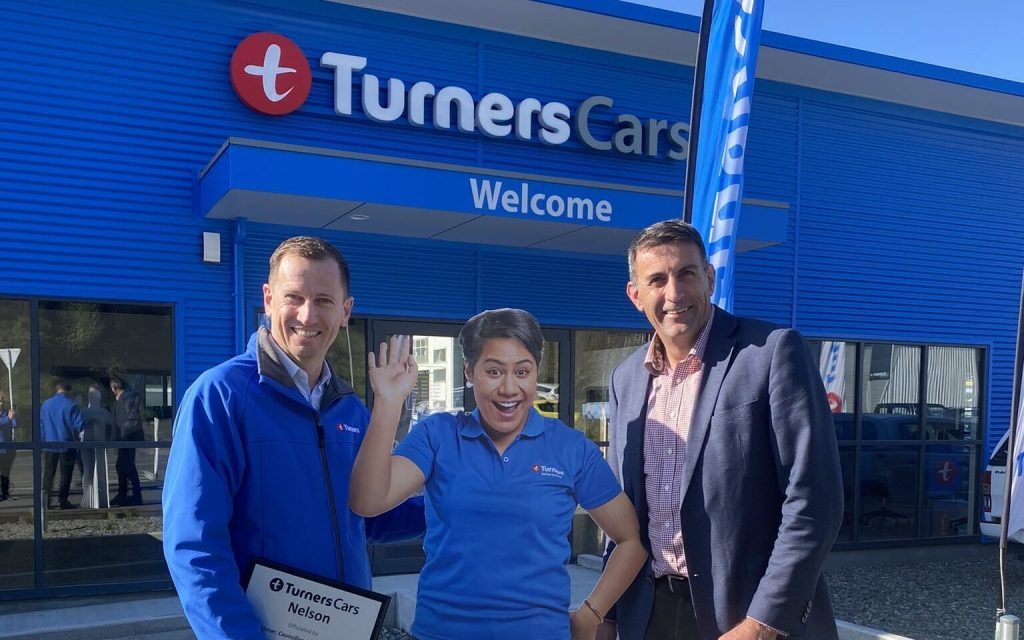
[(270, 74), (551, 472), (342, 427)]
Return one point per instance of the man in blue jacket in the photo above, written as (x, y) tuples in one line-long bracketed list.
[(263, 449), (61, 422)]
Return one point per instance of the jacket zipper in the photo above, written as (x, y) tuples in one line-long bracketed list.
[(330, 499)]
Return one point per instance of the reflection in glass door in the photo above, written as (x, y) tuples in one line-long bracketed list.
[(440, 387), (441, 381)]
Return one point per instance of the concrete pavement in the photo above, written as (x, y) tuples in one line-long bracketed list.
[(158, 616)]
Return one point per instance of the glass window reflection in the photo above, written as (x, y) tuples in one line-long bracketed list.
[(888, 493), (597, 354)]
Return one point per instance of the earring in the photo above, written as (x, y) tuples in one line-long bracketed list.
[(469, 385)]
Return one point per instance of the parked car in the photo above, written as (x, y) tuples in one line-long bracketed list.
[(993, 490), (910, 409), (547, 391), (546, 408)]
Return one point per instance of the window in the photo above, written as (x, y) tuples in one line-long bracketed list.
[(910, 439), (597, 354), (17, 563), (420, 350), (91, 348), (348, 356), (440, 356), (108, 359)]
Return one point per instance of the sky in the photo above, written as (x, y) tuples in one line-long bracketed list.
[(980, 36)]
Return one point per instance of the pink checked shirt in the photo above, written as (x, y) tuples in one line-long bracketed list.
[(669, 409)]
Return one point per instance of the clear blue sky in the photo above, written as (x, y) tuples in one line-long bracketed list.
[(981, 36)]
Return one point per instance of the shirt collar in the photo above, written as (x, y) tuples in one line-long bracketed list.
[(471, 427), (297, 373), (655, 359)]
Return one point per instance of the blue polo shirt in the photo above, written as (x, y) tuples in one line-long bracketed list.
[(497, 540)]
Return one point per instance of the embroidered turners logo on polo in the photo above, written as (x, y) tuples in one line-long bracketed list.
[(347, 427), (551, 472)]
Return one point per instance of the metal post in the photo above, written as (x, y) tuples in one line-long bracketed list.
[(156, 451), (1008, 628), (1012, 623)]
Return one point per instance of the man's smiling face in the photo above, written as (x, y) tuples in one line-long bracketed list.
[(673, 289), (307, 305)]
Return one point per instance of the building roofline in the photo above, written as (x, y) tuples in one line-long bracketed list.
[(627, 28)]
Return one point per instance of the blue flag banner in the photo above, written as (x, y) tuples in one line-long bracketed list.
[(722, 136), (1015, 477)]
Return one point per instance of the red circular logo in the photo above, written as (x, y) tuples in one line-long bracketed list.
[(835, 403), (270, 74)]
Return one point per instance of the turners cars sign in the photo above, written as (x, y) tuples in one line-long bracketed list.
[(271, 75)]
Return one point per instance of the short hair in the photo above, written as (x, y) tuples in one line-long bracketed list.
[(94, 396), (310, 248), (501, 323), (662, 233), (63, 385), (116, 382)]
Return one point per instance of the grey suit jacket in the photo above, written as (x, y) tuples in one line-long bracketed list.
[(762, 496)]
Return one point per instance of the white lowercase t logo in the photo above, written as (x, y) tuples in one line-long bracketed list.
[(270, 74)]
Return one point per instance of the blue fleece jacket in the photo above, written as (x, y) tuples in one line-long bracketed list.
[(254, 470)]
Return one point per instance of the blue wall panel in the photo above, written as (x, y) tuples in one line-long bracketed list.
[(904, 225), (407, 278), (172, 79), (127, 101), (764, 277), (911, 230)]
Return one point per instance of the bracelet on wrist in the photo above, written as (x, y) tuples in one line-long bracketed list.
[(597, 613)]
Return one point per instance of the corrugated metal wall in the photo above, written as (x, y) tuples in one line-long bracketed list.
[(114, 106), (911, 230), (904, 225), (96, 169), (764, 278), (407, 278)]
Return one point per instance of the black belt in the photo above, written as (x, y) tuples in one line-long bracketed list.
[(675, 584)]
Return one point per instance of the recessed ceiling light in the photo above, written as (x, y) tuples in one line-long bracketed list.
[(359, 217)]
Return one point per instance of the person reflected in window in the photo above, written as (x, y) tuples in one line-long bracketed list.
[(61, 421), (8, 423), (99, 426), (502, 485), (128, 418)]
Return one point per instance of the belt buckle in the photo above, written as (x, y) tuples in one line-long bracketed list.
[(676, 582)]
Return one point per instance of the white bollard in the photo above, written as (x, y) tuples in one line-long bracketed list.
[(1008, 628)]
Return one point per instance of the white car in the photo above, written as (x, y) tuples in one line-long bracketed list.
[(547, 392), (993, 490)]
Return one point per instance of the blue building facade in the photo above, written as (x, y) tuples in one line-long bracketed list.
[(142, 197)]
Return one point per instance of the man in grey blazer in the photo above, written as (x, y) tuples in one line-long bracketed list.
[(722, 438)]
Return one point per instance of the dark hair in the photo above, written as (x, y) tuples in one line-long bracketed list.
[(501, 323), (63, 385), (661, 233), (116, 382), (310, 248)]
